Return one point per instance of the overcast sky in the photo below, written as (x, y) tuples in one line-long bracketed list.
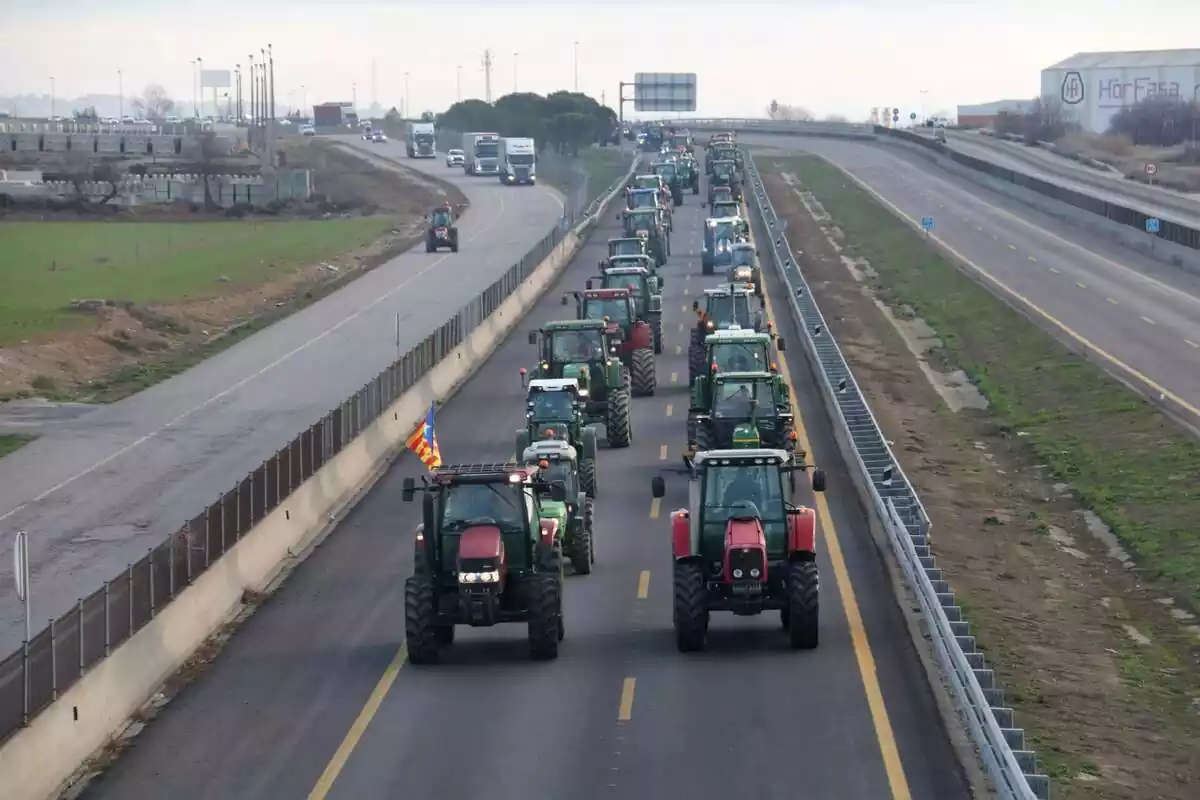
[(828, 56)]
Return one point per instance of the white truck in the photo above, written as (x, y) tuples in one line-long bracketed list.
[(420, 139), (482, 153), (518, 161)]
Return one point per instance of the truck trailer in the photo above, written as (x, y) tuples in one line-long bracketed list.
[(518, 161), (420, 140), (482, 153)]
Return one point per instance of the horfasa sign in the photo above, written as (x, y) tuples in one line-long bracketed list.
[(1093, 96)]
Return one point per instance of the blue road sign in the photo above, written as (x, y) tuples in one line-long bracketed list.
[(1153, 224), (927, 223)]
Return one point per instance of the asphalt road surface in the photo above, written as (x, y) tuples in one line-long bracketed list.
[(311, 689), (1142, 314), (97, 491)]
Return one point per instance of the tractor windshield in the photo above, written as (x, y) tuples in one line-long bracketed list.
[(640, 222), (723, 169), (743, 399), (558, 406), (725, 208), (646, 182), (740, 356), (642, 199), (619, 281), (635, 260), (575, 346), (729, 309), (666, 171), (625, 247), (559, 471), (729, 491), (727, 230), (467, 504), (616, 309), (743, 257), (441, 219)]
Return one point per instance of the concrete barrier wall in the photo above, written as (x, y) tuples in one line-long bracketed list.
[(38, 760), (112, 144), (227, 191)]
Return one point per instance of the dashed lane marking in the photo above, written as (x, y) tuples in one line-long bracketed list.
[(643, 590), (628, 690)]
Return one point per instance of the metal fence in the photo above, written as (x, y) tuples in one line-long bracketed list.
[(57, 656), (979, 701)]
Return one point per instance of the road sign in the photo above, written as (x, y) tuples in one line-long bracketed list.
[(1153, 224), (927, 223), (1151, 169), (912, 115), (895, 117), (664, 91), (21, 574)]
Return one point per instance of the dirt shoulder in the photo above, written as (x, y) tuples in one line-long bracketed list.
[(128, 334), (1022, 453)]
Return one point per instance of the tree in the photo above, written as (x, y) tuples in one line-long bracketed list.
[(154, 103), (563, 120), (1163, 122), (836, 118), (791, 113), (82, 169), (773, 109), (86, 114), (209, 152)]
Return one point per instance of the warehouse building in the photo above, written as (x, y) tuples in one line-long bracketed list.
[(986, 114), (1092, 87)]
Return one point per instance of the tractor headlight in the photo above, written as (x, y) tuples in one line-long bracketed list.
[(583, 392), (737, 573), (754, 573), (488, 576)]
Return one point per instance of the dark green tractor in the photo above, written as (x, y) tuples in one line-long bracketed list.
[(689, 174), (720, 152), (648, 223), (587, 350), (725, 208), (560, 464), (556, 410), (725, 307), (744, 269), (626, 246), (636, 349), (733, 350), (669, 172), (720, 235), (724, 173), (484, 556), (646, 289), (740, 409)]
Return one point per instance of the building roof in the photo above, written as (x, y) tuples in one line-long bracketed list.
[(1131, 58)]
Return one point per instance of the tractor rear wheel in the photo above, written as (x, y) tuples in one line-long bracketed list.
[(545, 616), (581, 550), (803, 604), (589, 520), (703, 437), (691, 608), (656, 333), (619, 427), (587, 476), (420, 620), (695, 361), (642, 368), (588, 437)]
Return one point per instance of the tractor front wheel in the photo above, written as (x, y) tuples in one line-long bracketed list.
[(803, 604), (691, 608), (420, 620), (587, 476), (619, 427), (545, 616), (642, 366), (589, 521)]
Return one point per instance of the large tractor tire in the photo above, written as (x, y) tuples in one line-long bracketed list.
[(656, 333), (587, 476), (589, 519), (619, 425), (420, 620), (522, 441), (545, 616), (691, 608), (803, 604), (581, 549), (641, 367), (703, 438), (696, 363)]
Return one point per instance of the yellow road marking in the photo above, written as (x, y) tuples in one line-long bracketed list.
[(670, 409), (1190, 343), (679, 347), (1147, 320), (686, 291), (1055, 271), (978, 228), (1080, 285), (1114, 302), (655, 507), (338, 762), (1032, 259), (628, 688), (1012, 247), (674, 377), (662, 452), (890, 751), (644, 585)]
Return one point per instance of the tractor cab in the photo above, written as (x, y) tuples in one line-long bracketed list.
[(646, 182), (649, 224), (646, 292), (723, 171), (733, 350), (641, 260), (720, 234), (554, 410), (441, 229), (626, 246), (744, 544), (616, 308), (740, 409), (483, 556), (560, 465), (727, 307), (641, 198), (723, 151), (725, 208), (744, 271)]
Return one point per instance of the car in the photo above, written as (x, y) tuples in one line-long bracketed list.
[(378, 136), (308, 130), (455, 158)]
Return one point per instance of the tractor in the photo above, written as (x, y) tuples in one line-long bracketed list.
[(559, 464), (644, 261), (647, 222), (555, 410), (441, 230), (638, 199), (682, 140), (587, 349), (726, 151), (725, 306), (720, 234), (744, 270), (625, 246), (668, 171), (722, 195), (689, 175), (724, 173), (733, 350), (725, 208), (646, 290), (740, 409), (744, 544), (484, 556), (615, 307), (651, 181)]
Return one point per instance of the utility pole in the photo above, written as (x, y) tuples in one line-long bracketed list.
[(121, 94), (271, 59), (458, 87), (515, 55), (200, 85), (354, 96), (253, 116), (237, 71), (577, 68), (487, 76), (375, 86), (53, 92)]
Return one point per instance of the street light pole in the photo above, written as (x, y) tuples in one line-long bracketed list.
[(405, 112), (53, 93), (237, 97), (515, 55), (121, 93), (458, 86), (200, 84), (577, 68)]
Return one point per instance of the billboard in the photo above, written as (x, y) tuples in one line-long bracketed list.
[(1091, 96), (215, 79), (664, 91)]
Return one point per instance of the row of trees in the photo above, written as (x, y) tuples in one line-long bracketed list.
[(789, 113), (1158, 122), (154, 103), (565, 121)]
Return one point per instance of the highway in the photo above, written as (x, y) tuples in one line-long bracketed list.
[(312, 697), (100, 489), (1142, 317)]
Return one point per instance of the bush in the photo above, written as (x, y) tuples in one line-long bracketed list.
[(564, 120), (1162, 122)]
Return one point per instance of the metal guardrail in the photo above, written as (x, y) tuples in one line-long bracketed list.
[(57, 656), (812, 128), (978, 700)]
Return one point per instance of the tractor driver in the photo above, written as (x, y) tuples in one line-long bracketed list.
[(472, 504), (743, 491)]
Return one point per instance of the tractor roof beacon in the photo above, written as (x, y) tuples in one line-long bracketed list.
[(556, 412), (484, 556), (575, 516), (744, 545)]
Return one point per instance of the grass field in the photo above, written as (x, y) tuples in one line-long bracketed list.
[(1124, 460), (9, 443), (603, 165), (45, 265)]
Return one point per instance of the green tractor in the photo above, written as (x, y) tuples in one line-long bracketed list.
[(646, 290), (720, 235), (559, 464), (615, 307), (484, 556), (724, 173), (669, 172), (733, 350), (650, 225), (556, 410), (626, 246), (725, 307), (586, 350), (689, 174), (727, 207), (740, 409), (744, 270), (641, 199), (726, 151)]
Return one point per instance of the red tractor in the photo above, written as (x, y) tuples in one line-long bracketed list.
[(636, 348), (744, 546)]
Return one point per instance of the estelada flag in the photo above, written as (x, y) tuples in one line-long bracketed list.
[(424, 443)]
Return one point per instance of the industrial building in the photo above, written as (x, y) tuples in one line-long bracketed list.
[(986, 114), (1092, 87)]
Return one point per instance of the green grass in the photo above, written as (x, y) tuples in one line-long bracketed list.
[(10, 443), (45, 265), (603, 165), (1132, 466)]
